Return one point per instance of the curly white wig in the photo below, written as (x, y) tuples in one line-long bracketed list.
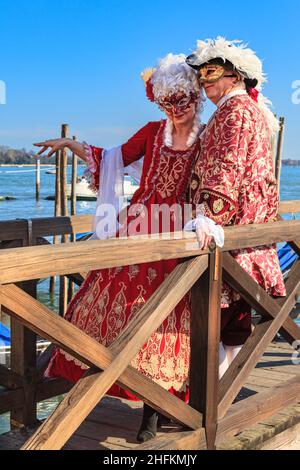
[(172, 76)]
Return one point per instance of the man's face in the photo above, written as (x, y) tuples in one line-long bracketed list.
[(217, 81)]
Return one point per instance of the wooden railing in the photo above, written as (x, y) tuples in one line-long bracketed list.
[(202, 271)]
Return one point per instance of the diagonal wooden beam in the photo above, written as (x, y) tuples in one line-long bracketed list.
[(237, 277), (241, 367), (86, 394), (176, 286), (81, 346)]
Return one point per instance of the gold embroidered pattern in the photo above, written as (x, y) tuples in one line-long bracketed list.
[(218, 205), (194, 185)]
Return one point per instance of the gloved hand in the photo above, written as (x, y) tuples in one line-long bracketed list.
[(205, 229)]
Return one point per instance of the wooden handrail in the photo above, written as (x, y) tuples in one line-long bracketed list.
[(47, 226), (289, 207), (43, 261)]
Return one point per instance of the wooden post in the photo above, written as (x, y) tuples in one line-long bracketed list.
[(278, 161), (23, 362), (23, 354), (73, 212), (74, 180), (63, 285), (63, 172), (57, 212), (38, 179), (205, 339), (274, 140)]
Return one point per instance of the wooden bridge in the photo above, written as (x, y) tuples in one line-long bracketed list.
[(211, 416)]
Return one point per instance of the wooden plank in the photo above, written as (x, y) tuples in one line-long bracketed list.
[(14, 399), (49, 388), (9, 378), (286, 440), (77, 278), (205, 338), (45, 227), (11, 400), (294, 244), (199, 343), (213, 336), (62, 333), (180, 440), (255, 437), (240, 416), (237, 277), (84, 396), (23, 362), (63, 172), (13, 229), (83, 443), (44, 261), (286, 207), (255, 345)]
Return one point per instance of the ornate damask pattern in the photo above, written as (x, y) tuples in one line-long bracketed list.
[(234, 181), (109, 298)]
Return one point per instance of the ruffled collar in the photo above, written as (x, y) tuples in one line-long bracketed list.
[(168, 133), (230, 95)]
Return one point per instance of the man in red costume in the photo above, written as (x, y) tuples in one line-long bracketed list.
[(233, 181)]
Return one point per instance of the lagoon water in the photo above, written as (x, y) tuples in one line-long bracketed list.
[(19, 182)]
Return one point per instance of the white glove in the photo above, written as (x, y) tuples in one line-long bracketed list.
[(208, 227)]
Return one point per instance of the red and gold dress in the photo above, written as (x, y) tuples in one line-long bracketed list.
[(109, 298), (234, 184)]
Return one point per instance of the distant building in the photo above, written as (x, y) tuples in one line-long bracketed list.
[(290, 162)]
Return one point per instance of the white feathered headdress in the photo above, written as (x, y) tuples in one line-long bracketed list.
[(244, 60)]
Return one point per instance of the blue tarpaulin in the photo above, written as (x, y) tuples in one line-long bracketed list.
[(4, 335)]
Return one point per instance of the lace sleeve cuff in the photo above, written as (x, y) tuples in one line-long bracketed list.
[(93, 156)]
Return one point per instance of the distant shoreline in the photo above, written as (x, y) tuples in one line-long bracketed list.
[(34, 164), (26, 164)]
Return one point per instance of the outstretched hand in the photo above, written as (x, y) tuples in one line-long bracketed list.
[(54, 144)]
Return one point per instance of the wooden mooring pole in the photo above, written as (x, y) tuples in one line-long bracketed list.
[(63, 286), (57, 212), (278, 160), (38, 179), (73, 211), (74, 181)]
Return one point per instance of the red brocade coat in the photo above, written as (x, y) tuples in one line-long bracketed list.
[(109, 298), (234, 184)]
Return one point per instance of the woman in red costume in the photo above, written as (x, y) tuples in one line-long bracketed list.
[(109, 298)]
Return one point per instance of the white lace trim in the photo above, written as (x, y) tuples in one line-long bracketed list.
[(168, 132)]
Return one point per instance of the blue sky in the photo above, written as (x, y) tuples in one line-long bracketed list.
[(79, 61)]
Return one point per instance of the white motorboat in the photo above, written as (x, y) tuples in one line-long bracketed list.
[(84, 192)]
